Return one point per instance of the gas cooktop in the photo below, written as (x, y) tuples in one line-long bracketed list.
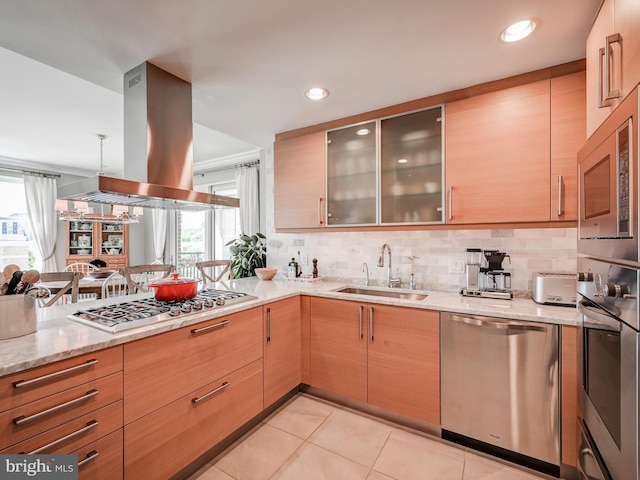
[(137, 313)]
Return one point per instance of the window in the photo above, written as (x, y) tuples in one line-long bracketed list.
[(204, 235), (17, 244)]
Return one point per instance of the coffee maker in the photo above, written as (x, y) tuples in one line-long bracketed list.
[(486, 278)]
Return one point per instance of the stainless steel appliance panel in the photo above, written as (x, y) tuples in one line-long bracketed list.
[(608, 187), (590, 467), (608, 369), (507, 370)]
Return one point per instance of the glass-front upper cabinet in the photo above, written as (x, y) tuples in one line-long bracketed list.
[(411, 164), (352, 180)]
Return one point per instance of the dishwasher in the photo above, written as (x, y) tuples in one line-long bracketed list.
[(500, 388)]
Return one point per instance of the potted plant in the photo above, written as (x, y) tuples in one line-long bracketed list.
[(248, 252)]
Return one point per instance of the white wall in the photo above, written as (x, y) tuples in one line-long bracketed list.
[(341, 254)]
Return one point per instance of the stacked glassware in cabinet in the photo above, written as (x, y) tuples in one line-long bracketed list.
[(387, 171)]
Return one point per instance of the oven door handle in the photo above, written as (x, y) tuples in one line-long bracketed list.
[(602, 318)]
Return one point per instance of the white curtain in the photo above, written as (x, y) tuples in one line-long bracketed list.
[(40, 193), (249, 195), (159, 217)]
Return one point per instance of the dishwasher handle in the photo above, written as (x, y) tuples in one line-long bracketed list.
[(504, 325)]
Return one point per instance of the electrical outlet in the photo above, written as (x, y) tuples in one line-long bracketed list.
[(456, 265)]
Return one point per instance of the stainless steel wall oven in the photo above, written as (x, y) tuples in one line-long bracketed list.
[(608, 274)]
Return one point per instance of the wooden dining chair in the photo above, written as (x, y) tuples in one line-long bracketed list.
[(208, 268), (61, 292), (80, 267), (138, 276), (115, 285)]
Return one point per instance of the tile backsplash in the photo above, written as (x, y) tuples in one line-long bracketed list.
[(440, 254)]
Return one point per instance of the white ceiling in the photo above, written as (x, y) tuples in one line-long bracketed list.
[(63, 62)]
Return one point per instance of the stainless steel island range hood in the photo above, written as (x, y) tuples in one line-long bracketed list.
[(158, 149)]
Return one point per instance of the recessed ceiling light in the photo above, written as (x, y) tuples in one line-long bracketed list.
[(403, 160), (317, 93), (518, 31), (363, 131)]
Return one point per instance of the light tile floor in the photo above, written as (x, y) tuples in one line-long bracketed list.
[(309, 439)]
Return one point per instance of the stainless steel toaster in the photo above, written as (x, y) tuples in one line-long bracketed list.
[(554, 288)]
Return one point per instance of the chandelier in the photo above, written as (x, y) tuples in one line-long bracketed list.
[(73, 211)]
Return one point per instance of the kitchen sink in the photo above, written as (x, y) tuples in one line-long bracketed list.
[(374, 292)]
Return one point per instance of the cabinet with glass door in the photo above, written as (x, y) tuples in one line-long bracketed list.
[(387, 171), (411, 159), (87, 241), (352, 175)]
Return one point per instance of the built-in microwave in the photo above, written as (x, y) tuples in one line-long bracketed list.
[(608, 187)]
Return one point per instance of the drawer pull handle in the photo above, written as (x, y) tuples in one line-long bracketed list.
[(213, 392), (89, 426), (24, 419), (26, 383), (196, 331), (92, 455)]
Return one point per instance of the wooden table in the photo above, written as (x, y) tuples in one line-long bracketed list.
[(87, 285)]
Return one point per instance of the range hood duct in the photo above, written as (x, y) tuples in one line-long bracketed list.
[(158, 149)]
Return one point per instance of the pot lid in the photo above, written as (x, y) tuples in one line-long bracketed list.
[(172, 279)]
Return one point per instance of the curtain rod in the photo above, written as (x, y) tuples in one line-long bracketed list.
[(29, 172), (229, 167)]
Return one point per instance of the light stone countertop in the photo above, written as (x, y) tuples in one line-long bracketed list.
[(58, 338)]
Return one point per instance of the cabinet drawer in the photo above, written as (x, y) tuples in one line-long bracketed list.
[(75, 433), (102, 459), (162, 368), (29, 385), (174, 436), (30, 419)]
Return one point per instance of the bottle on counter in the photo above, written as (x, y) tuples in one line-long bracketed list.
[(315, 268), (292, 271)]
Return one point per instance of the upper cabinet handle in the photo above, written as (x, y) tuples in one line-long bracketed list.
[(560, 196), (615, 38), (451, 202), (320, 222), (601, 101)]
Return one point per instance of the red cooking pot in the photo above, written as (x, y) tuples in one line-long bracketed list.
[(174, 289)]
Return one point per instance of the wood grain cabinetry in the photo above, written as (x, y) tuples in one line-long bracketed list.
[(162, 443), (497, 150), (88, 241), (300, 181), (305, 348), (615, 18), (338, 346), (404, 361), (188, 389), (569, 394), (71, 406), (163, 368), (568, 124), (282, 338), (384, 355)]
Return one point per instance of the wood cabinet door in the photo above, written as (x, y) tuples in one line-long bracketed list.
[(627, 24), (404, 361), (602, 27), (497, 156), (282, 341), (159, 445), (162, 368), (339, 347), (299, 181), (568, 135), (569, 392), (305, 349)]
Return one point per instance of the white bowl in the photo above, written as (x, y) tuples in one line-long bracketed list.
[(266, 273)]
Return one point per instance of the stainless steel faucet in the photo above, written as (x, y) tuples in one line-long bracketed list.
[(365, 268), (391, 281)]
